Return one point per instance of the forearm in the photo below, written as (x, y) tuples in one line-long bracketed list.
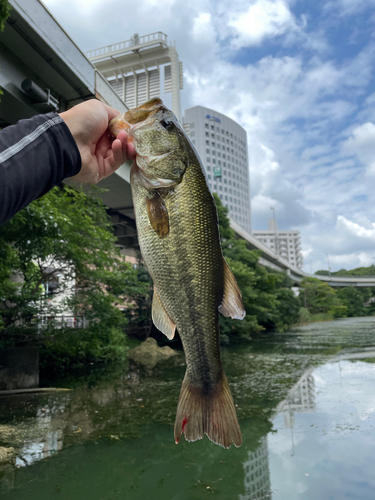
[(35, 155)]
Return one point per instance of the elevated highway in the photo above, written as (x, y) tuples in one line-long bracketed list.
[(34, 46)]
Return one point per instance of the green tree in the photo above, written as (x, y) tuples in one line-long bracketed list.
[(4, 13), (319, 298), (353, 299), (268, 302), (59, 255), (359, 271)]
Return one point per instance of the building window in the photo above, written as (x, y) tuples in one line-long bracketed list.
[(212, 144), (212, 127), (191, 125), (209, 168), (209, 177), (213, 160), (208, 159), (213, 136), (217, 129), (193, 141), (206, 125), (208, 151), (192, 134), (207, 143), (207, 134)]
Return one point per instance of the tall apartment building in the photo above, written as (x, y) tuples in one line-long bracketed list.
[(222, 146), (287, 244)]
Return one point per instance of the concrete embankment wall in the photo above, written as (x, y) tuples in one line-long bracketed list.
[(19, 368)]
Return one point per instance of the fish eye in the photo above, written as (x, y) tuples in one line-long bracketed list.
[(167, 124)]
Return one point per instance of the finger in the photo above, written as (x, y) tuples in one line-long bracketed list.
[(111, 112), (127, 144)]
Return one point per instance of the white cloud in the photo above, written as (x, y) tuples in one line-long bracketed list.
[(353, 260), (307, 109), (355, 229), (362, 143), (349, 7), (263, 19)]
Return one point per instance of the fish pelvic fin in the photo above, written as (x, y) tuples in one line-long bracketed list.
[(212, 413), (231, 305), (161, 318)]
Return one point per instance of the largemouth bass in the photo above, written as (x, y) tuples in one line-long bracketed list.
[(178, 235)]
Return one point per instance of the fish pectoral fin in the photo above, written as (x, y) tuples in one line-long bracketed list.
[(161, 318), (231, 305), (158, 215)]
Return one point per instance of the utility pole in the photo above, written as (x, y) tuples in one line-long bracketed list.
[(274, 218), (329, 267)]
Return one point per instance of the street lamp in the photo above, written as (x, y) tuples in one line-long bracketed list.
[(274, 218)]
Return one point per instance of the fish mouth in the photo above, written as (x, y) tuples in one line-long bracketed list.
[(135, 118)]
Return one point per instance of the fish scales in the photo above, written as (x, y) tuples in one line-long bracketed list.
[(187, 268), (179, 240)]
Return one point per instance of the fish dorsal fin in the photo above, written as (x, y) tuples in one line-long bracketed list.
[(158, 215), (231, 305), (160, 317)]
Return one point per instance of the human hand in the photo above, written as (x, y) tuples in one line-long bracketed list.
[(88, 123)]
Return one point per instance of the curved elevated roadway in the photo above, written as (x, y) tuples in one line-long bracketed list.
[(33, 45)]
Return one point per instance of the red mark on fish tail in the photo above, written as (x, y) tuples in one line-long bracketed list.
[(184, 422)]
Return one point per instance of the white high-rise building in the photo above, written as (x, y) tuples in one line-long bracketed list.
[(257, 473), (142, 68), (287, 244), (222, 146)]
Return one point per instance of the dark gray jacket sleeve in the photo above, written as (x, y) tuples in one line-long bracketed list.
[(35, 155)]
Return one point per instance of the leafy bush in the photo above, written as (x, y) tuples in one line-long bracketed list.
[(59, 255)]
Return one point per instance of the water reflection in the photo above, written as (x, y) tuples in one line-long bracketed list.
[(301, 399), (257, 473), (116, 428)]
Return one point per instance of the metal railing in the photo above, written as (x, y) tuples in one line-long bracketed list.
[(134, 41), (62, 321)]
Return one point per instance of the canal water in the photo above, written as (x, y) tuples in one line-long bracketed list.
[(306, 404)]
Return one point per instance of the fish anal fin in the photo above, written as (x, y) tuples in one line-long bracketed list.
[(212, 413), (231, 305), (158, 215), (160, 317)]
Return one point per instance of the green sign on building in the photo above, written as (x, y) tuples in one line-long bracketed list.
[(217, 171)]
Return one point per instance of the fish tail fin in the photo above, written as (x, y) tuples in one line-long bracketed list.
[(212, 413)]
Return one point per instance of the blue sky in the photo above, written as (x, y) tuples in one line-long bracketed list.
[(299, 77)]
